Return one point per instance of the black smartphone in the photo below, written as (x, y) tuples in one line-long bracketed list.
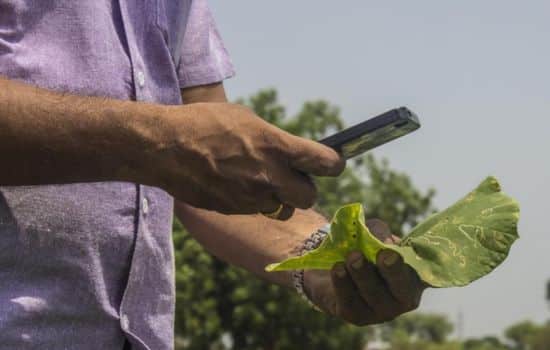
[(373, 132)]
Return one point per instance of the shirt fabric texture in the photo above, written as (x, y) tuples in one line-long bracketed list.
[(89, 265)]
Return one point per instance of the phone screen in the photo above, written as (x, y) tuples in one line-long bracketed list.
[(373, 139)]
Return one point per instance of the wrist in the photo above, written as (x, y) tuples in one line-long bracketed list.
[(302, 278), (147, 132)]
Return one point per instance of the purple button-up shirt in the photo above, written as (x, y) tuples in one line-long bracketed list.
[(86, 266)]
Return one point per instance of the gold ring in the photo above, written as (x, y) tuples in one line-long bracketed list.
[(275, 214)]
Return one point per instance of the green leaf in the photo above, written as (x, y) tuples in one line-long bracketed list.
[(451, 248)]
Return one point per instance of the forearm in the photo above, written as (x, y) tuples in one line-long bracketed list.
[(204, 93), (250, 241), (48, 138)]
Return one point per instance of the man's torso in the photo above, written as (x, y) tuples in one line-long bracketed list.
[(84, 266)]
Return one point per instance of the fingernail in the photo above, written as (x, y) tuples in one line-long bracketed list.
[(358, 263), (390, 258)]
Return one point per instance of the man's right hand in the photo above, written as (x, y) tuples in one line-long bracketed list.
[(223, 157), (216, 156)]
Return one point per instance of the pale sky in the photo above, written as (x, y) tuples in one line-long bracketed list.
[(476, 73)]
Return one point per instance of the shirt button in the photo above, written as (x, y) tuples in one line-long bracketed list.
[(140, 79), (124, 322), (145, 206)]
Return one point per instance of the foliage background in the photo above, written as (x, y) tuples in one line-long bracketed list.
[(222, 307)]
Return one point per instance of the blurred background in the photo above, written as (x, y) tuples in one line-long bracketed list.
[(476, 73)]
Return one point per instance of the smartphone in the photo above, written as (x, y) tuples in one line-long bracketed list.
[(373, 132)]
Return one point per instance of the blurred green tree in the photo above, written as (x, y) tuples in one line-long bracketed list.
[(423, 345), (220, 307), (521, 335), (541, 341), (416, 329), (485, 343), (527, 335)]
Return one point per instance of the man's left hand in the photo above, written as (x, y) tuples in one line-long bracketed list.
[(364, 293)]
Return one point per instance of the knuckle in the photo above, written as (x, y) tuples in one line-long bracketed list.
[(263, 174), (261, 180), (271, 142)]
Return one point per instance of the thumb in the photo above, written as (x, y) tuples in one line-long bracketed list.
[(314, 158)]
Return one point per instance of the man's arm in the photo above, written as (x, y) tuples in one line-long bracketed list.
[(218, 156), (357, 290), (48, 138), (250, 241)]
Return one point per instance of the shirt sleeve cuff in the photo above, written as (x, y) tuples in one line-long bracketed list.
[(205, 74)]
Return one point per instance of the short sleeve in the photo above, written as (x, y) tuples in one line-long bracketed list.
[(204, 58)]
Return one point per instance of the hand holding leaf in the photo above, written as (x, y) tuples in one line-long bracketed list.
[(451, 248), (362, 292)]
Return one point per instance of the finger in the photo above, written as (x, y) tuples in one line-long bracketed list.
[(315, 158), (379, 229), (349, 304), (198, 197), (283, 213), (394, 239), (286, 213), (269, 206), (372, 286), (290, 186), (297, 190), (401, 279)]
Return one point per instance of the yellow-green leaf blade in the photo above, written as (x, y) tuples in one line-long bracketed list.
[(452, 248)]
